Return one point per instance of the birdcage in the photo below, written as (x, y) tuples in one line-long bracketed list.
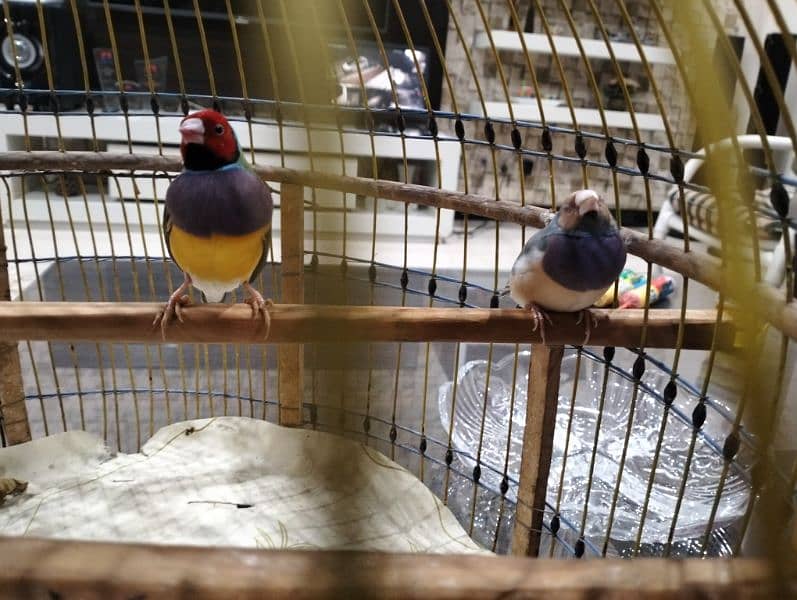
[(400, 406)]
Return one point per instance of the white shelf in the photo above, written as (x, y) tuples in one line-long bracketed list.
[(54, 212), (537, 43), (586, 117), (327, 148)]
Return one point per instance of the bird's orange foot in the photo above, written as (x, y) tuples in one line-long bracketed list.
[(540, 317), (173, 308), (590, 322), (259, 306)]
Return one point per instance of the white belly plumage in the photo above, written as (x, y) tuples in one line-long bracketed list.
[(214, 290), (530, 283)]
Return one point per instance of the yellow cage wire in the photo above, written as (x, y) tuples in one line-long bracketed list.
[(415, 193)]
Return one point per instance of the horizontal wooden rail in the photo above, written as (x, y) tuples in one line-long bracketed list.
[(695, 265), (41, 568), (390, 190), (222, 323)]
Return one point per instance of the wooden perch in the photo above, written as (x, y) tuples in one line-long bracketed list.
[(49, 568), (380, 188), (224, 323), (696, 265)]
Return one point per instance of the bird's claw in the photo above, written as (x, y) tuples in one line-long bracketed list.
[(540, 317), (173, 308), (590, 322), (260, 306)]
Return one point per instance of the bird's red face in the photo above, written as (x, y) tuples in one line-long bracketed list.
[(207, 138)]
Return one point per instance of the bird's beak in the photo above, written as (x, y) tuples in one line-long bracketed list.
[(192, 131), (586, 201)]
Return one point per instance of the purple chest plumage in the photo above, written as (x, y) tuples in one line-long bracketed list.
[(232, 201), (584, 262)]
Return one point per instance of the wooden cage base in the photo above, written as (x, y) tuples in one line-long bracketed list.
[(47, 568)]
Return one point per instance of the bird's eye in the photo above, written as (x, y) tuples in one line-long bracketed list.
[(219, 129)]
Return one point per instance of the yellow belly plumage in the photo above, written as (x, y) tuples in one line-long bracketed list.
[(218, 259)]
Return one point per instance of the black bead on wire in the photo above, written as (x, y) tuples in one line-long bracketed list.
[(489, 133), (699, 414), (555, 524), (731, 446), (779, 199), (670, 391), (459, 129), (580, 146), (639, 367), (643, 161), (677, 168), (517, 140), (610, 152), (546, 141)]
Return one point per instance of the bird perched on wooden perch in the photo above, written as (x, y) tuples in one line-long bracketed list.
[(569, 264), (216, 219)]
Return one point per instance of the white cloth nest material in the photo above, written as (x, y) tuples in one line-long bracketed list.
[(226, 481)]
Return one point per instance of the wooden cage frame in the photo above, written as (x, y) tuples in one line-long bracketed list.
[(36, 567)]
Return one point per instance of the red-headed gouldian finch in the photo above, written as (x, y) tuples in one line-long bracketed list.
[(568, 265), (217, 217)]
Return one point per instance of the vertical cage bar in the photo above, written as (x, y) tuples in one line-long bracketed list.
[(291, 356), (535, 461), (13, 412)]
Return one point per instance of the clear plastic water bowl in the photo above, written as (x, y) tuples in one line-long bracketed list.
[(669, 484)]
